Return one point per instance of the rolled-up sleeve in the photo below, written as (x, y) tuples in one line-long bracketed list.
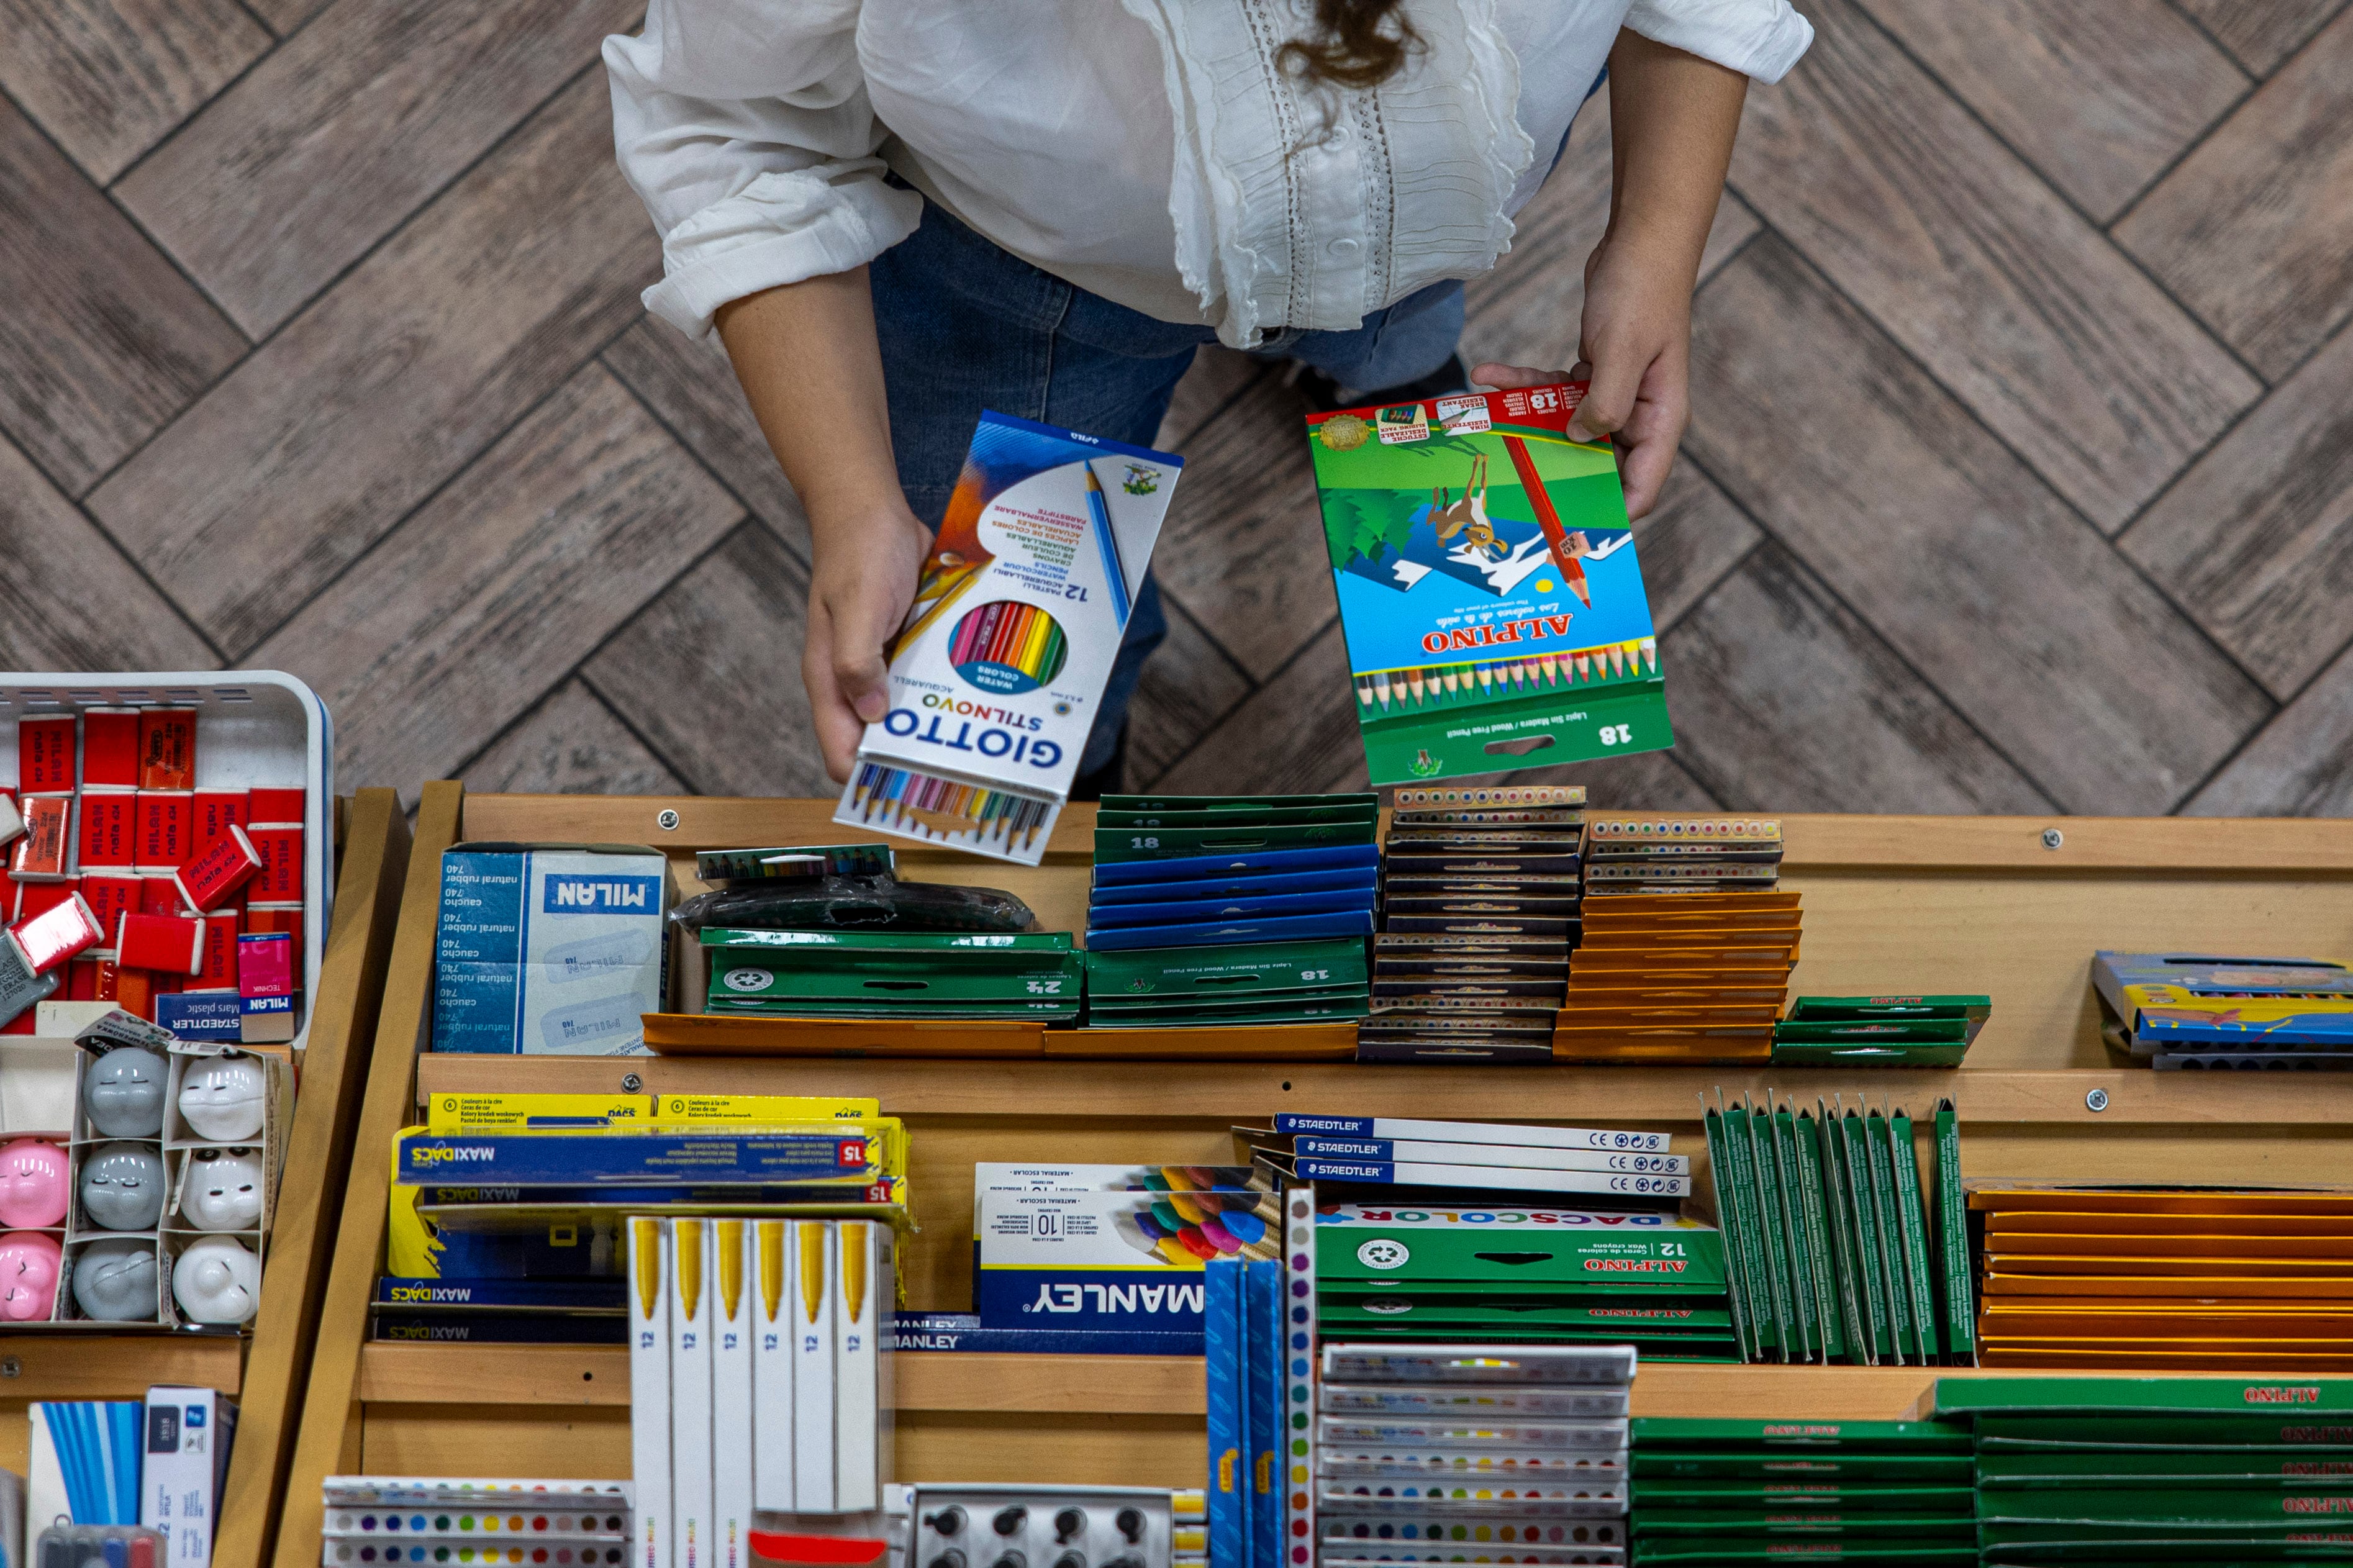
[(1759, 39), (744, 126)]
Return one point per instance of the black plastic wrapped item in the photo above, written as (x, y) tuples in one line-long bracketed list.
[(855, 903)]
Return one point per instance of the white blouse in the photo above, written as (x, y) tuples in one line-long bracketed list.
[(1150, 150)]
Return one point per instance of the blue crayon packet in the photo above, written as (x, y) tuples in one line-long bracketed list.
[(1264, 862), (1289, 927)]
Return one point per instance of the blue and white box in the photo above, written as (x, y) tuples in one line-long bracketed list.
[(84, 1461), (188, 1435), (549, 950), (204, 1015), (1075, 1248)]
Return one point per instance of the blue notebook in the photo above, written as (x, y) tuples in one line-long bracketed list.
[(1345, 880), (1197, 911), (1195, 867), (1288, 928)]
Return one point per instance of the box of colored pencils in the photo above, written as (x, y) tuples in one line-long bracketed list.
[(1478, 910), (997, 677), (1494, 613), (1879, 1031), (894, 974)]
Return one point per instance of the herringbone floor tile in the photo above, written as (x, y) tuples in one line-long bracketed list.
[(2017, 480)]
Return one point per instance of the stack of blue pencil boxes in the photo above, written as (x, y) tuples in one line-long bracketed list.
[(1207, 911)]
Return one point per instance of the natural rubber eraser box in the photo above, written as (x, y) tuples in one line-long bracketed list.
[(549, 948)]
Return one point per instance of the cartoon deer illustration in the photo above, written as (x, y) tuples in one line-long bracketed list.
[(1467, 517)]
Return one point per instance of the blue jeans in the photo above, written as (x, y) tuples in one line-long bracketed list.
[(965, 325)]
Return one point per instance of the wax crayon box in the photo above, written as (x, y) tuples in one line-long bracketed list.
[(1492, 606), (1705, 1491), (997, 677), (884, 975)]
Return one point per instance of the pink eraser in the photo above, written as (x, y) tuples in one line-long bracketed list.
[(265, 964)]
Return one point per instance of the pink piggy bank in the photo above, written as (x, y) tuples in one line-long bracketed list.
[(28, 1276), (33, 1188)]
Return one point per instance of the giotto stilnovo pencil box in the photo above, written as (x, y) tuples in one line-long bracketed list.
[(999, 674), (1493, 610)]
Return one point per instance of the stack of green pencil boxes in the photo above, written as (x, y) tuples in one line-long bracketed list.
[(894, 974), (1713, 1494), (1879, 1031), (2159, 1469), (1209, 910), (1520, 1274), (1833, 1253)]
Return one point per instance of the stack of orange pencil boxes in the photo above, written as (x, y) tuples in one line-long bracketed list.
[(1687, 942), (176, 881)]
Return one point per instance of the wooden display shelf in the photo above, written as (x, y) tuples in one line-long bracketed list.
[(548, 1375), (1892, 905), (117, 1366), (1237, 1092), (922, 1380)]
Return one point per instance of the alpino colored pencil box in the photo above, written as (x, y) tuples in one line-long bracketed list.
[(1494, 609), (997, 676)]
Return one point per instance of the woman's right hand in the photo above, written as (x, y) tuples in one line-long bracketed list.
[(862, 581)]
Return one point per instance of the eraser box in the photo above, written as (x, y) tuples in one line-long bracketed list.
[(255, 730)]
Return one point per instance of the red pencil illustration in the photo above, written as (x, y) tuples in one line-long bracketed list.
[(1566, 548)]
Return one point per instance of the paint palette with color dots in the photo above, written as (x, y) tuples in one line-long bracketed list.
[(524, 1524)]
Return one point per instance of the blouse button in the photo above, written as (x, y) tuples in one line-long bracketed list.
[(1342, 249)]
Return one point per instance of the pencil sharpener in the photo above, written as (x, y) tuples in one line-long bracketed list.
[(1022, 1526)]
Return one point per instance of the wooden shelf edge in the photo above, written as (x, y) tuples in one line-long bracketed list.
[(1239, 1091), (547, 1376), (117, 1366), (2299, 845)]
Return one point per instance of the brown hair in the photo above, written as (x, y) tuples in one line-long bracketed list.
[(1357, 43)]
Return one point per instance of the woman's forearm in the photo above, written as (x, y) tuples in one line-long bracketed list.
[(1672, 119), (812, 371)]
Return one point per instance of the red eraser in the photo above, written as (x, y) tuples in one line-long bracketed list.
[(110, 748), (162, 842), (216, 971), (110, 897), (169, 945), (265, 964), (265, 919), (11, 821), (45, 755), (22, 1023), (81, 980), (39, 898), (160, 896), (40, 854), (218, 811), (135, 990), (279, 880), (167, 748), (108, 818), (276, 807), (206, 881), (51, 938)]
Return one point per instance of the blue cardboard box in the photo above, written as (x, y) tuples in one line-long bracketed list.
[(549, 950)]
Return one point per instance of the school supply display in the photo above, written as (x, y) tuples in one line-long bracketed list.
[(1717, 1494), (759, 1383), (893, 974), (2158, 1470), (1523, 1274), (998, 674), (1470, 1451), (550, 949), (2167, 1278), (1879, 1031), (1478, 911), (1687, 945), (2178, 1010), (1488, 588), (460, 1520), (1835, 1253)]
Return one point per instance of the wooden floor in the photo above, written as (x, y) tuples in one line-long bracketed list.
[(2020, 479)]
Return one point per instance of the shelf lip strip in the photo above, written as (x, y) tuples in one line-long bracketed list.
[(1226, 1092), (2300, 847)]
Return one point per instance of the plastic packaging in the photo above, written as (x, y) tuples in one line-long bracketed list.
[(856, 903)]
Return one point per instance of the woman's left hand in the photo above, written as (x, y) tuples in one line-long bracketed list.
[(1636, 348)]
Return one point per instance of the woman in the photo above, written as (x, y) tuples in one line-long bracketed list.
[(897, 212)]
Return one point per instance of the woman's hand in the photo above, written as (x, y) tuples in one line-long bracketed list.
[(1636, 351), (860, 583), (1673, 118)]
